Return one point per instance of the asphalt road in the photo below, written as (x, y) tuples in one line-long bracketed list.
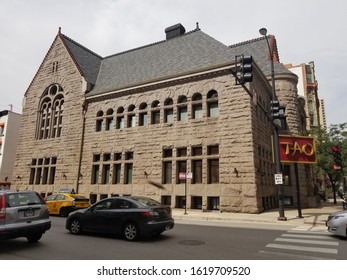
[(184, 242)]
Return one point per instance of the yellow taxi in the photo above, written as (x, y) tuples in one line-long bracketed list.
[(63, 203)]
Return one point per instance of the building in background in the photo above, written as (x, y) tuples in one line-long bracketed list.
[(132, 123), (308, 88), (9, 134)]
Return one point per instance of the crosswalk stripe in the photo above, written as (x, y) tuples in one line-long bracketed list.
[(302, 248), (305, 241), (302, 231), (305, 236)]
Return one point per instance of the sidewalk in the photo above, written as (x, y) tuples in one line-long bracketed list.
[(313, 216)]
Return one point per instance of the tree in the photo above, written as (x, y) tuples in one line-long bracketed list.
[(337, 136)]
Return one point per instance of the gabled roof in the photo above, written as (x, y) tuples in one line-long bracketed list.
[(87, 61)]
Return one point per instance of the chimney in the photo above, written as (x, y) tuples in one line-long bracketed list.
[(174, 31)]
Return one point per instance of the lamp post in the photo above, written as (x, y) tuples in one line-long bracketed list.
[(276, 145)]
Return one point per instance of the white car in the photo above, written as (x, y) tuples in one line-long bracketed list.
[(337, 223)]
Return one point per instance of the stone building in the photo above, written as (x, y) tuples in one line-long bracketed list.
[(133, 122), (9, 134), (308, 89)]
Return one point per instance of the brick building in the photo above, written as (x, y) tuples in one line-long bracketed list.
[(130, 123)]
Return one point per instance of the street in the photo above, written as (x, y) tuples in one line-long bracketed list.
[(217, 241)]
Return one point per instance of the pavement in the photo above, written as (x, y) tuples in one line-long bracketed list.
[(312, 216)]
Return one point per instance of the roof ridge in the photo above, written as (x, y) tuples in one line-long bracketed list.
[(80, 45), (247, 42), (151, 44)]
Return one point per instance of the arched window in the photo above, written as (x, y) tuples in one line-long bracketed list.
[(143, 114), (131, 116), (155, 112), (212, 104), (99, 120), (197, 106), (168, 111), (120, 118), (182, 109), (51, 111), (109, 119)]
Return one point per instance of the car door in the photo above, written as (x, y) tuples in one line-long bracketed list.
[(51, 204), (94, 218)]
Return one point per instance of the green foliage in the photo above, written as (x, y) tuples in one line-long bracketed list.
[(337, 136)]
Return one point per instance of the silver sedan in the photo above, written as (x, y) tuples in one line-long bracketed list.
[(337, 223)]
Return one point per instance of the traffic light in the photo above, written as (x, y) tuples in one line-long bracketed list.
[(276, 110), (246, 69), (337, 158)]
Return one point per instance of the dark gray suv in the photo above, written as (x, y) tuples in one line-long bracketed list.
[(23, 214)]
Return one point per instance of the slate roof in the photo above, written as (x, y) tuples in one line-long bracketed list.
[(87, 61), (192, 52), (189, 53)]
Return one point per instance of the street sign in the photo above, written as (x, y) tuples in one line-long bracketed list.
[(278, 179), (182, 175), (185, 175)]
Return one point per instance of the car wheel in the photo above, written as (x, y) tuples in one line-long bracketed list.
[(131, 232), (64, 212), (75, 226), (34, 237)]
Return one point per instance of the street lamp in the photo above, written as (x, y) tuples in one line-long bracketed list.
[(276, 145)]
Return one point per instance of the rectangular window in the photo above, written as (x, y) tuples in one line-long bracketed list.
[(128, 173), (197, 171), (197, 111), (182, 114), (42, 171), (116, 173), (129, 155), (143, 119), (181, 152), (167, 153), (213, 110), (155, 117), (51, 175), (213, 171), (120, 122), (98, 125), (169, 115), (109, 123), (38, 176), (213, 150), (45, 175), (95, 174), (107, 157), (196, 151), (167, 172), (105, 174), (131, 120), (117, 156)]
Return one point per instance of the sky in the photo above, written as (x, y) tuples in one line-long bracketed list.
[(306, 30)]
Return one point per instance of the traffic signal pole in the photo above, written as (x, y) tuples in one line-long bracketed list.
[(276, 146)]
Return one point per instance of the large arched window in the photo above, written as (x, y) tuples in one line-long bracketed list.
[(51, 111)]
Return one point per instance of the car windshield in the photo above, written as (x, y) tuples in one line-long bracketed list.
[(23, 199), (146, 201)]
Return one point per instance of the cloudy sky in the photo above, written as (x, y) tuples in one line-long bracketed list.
[(306, 30)]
